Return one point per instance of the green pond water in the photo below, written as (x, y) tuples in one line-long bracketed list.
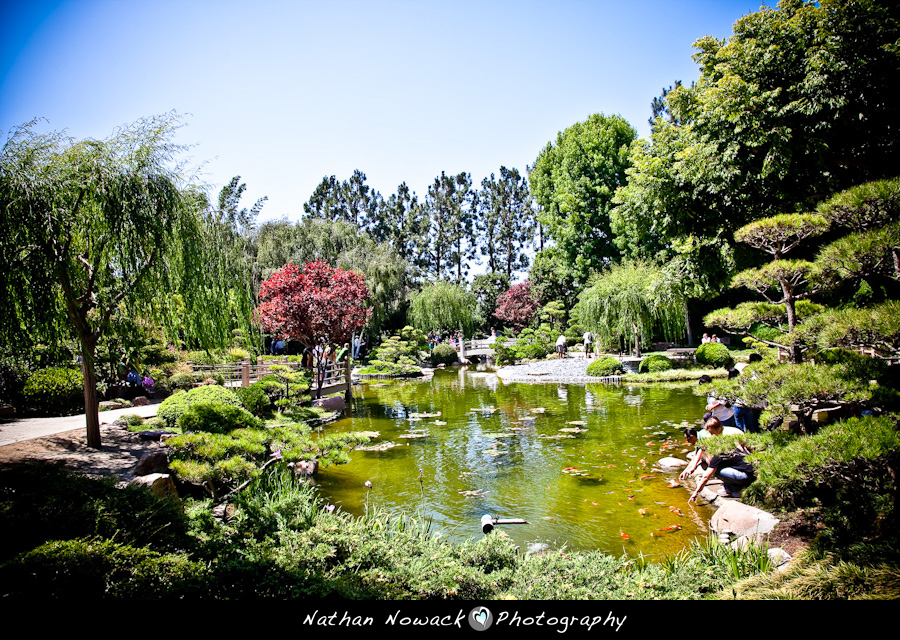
[(504, 450)]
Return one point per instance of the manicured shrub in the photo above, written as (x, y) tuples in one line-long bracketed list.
[(655, 364), (54, 391), (714, 354), (254, 398), (853, 365), (216, 417), (607, 366), (172, 407), (132, 419), (443, 354)]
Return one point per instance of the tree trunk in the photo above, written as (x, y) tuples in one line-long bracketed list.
[(687, 324), (91, 404)]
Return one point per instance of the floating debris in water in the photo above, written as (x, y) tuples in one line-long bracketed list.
[(384, 446)]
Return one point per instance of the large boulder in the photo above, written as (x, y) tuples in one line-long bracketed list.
[(671, 463), (152, 462), (331, 403), (159, 484), (740, 519)]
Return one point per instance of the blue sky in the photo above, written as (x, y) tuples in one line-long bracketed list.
[(284, 92)]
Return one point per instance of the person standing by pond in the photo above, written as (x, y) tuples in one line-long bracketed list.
[(561, 346), (588, 343)]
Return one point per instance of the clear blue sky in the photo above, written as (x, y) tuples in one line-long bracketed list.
[(284, 92)]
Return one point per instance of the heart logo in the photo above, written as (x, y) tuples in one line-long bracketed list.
[(481, 618)]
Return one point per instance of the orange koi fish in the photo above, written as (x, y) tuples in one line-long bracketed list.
[(624, 535), (676, 510), (674, 527), (643, 511), (645, 477)]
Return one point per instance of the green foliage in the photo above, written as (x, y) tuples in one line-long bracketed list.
[(216, 418), (111, 223), (443, 307), (95, 569), (254, 398), (630, 301), (171, 409), (54, 391), (607, 366), (41, 502), (399, 354), (714, 354), (573, 181), (443, 354), (654, 364)]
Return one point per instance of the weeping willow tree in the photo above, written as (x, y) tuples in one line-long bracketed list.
[(93, 229), (632, 300), (443, 306)]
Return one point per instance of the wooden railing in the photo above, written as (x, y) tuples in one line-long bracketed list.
[(330, 377)]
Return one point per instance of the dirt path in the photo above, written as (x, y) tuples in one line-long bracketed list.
[(63, 441)]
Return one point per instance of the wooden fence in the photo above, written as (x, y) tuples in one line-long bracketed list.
[(330, 377)]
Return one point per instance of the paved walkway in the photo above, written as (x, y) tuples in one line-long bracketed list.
[(17, 430)]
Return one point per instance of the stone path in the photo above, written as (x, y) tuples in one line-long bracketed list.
[(16, 430)]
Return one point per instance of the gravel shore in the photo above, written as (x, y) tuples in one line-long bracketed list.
[(553, 370)]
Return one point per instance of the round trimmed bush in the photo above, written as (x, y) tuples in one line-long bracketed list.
[(54, 391), (654, 363), (714, 354), (443, 354), (254, 398), (172, 407), (216, 417), (608, 366)]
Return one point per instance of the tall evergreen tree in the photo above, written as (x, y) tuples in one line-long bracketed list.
[(504, 208)]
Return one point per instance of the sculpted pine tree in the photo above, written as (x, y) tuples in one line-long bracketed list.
[(92, 228)]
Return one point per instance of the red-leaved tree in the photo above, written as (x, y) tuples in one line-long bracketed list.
[(313, 301), (516, 307)]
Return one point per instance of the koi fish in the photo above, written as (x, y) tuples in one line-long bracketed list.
[(674, 527), (624, 536), (643, 511), (676, 510), (631, 497), (673, 484), (645, 477)]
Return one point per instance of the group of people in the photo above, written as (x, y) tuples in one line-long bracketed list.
[(707, 338), (732, 468), (135, 379)]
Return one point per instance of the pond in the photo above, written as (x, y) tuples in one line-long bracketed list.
[(577, 461)]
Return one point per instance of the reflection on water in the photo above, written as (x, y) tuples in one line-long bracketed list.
[(578, 462)]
